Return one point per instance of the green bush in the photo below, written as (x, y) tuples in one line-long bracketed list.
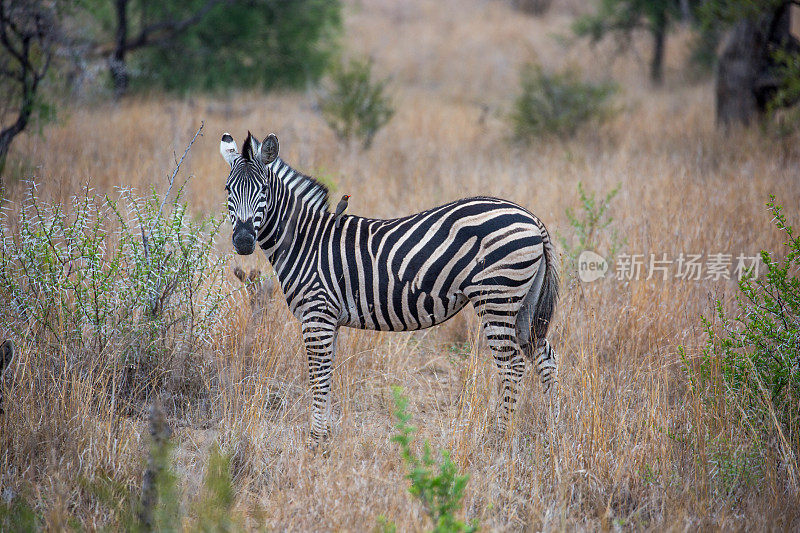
[(129, 285), (215, 508), (557, 104), (260, 44), (354, 105), (158, 507), (752, 359), (592, 226), (17, 515), (440, 492), (789, 72), (788, 93)]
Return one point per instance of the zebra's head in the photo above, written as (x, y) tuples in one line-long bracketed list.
[(248, 186)]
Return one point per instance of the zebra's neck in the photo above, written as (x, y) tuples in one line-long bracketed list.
[(299, 205), (307, 190)]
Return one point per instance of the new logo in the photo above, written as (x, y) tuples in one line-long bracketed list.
[(591, 266)]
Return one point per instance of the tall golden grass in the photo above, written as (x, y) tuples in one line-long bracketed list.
[(630, 450)]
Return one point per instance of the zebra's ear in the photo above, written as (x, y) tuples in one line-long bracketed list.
[(269, 149), (251, 147), (227, 147)]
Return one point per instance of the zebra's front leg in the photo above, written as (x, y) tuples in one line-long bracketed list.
[(320, 341), (547, 367)]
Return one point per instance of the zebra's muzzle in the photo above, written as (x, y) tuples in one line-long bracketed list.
[(244, 237)]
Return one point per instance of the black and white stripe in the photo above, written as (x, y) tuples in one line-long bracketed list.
[(399, 274)]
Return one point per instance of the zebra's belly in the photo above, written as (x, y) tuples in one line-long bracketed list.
[(405, 313)]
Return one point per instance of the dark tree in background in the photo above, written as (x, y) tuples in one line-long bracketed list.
[(151, 25), (749, 73), (177, 45), (261, 44), (28, 40), (183, 45), (623, 17), (757, 67)]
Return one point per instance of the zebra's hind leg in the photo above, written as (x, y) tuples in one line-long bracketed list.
[(319, 337), (511, 367), (544, 357)]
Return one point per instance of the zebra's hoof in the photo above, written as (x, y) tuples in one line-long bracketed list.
[(319, 436), (319, 444)]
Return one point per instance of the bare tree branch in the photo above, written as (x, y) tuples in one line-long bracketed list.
[(5, 25), (170, 28), (178, 167), (28, 34)]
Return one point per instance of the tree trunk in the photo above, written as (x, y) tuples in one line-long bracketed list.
[(746, 81), (686, 12), (5, 144), (8, 134), (737, 71), (659, 30), (116, 63)]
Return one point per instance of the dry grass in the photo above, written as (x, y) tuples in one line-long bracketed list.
[(629, 451)]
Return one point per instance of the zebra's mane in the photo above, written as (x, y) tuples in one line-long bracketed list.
[(306, 188)]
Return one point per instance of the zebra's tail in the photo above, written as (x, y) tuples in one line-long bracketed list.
[(539, 305)]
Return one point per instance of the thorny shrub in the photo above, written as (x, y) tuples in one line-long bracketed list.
[(130, 285)]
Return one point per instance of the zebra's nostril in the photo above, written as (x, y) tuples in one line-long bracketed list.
[(244, 237), (244, 244)]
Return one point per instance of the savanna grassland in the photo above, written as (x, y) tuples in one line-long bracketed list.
[(634, 448)]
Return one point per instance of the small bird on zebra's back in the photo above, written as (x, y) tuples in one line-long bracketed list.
[(340, 209)]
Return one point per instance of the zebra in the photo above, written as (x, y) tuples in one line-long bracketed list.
[(399, 274)]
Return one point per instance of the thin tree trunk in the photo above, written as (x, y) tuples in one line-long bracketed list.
[(659, 30), (686, 11), (117, 65), (5, 143), (8, 134)]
